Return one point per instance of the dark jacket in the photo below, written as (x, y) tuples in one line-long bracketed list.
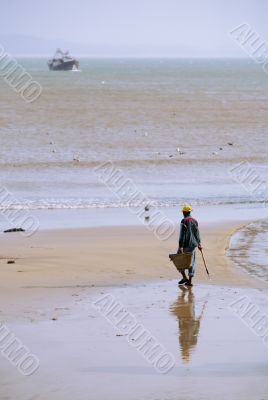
[(189, 233)]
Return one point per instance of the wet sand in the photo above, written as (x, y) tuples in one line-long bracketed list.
[(46, 299), (249, 248)]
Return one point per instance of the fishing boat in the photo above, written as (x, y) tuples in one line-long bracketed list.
[(62, 61)]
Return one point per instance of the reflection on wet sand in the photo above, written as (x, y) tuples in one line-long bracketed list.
[(189, 325)]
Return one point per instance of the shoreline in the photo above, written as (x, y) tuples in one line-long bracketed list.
[(87, 218)]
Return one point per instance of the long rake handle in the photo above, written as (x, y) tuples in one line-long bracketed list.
[(204, 262)]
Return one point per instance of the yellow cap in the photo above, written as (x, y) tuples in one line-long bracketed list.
[(187, 208)]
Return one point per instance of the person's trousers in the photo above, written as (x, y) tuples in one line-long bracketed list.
[(191, 270)]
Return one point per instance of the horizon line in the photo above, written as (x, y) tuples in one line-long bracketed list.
[(245, 57)]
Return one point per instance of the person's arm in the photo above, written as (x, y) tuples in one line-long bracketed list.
[(197, 235), (182, 237)]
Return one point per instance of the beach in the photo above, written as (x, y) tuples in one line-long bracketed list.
[(132, 132), (47, 300)]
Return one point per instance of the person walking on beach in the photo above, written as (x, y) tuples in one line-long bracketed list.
[(188, 241)]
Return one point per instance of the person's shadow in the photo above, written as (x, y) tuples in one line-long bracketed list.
[(189, 325)]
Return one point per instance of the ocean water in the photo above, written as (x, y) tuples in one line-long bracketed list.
[(165, 124)]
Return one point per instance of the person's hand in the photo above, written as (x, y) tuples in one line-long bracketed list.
[(200, 247), (180, 250)]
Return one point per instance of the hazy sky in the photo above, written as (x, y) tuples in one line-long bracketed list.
[(159, 27)]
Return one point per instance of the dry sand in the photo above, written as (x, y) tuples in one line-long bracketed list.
[(46, 299)]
